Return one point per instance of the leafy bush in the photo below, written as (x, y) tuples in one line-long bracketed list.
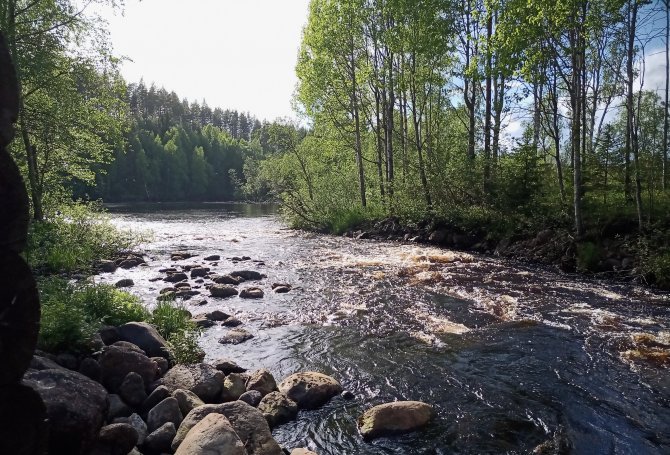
[(184, 347), (173, 322), (74, 239), (72, 313)]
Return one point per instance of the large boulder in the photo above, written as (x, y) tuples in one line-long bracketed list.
[(23, 413), (397, 417), (146, 337), (213, 435), (116, 362), (164, 412), (277, 408), (263, 381), (76, 408), (247, 421), (202, 379), (310, 389)]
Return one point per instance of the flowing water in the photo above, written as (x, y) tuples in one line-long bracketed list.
[(512, 356)]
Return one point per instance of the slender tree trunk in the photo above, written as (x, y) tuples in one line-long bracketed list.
[(357, 125), (632, 145), (487, 113), (418, 139), (666, 109), (389, 127), (575, 101)]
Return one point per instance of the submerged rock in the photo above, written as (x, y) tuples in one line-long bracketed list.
[(227, 279), (398, 417), (310, 389), (235, 336), (124, 283)]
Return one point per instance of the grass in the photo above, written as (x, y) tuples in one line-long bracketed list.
[(173, 322)]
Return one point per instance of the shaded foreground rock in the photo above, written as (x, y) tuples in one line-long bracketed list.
[(146, 337), (187, 400), (76, 408), (23, 413), (248, 422), (164, 412), (116, 362), (159, 441), (118, 438), (213, 435), (398, 417), (310, 389), (227, 366)]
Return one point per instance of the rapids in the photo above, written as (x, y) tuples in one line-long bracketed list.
[(511, 355)]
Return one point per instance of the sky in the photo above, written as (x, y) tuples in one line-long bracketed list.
[(235, 54)]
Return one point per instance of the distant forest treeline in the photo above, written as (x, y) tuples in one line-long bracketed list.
[(177, 150)]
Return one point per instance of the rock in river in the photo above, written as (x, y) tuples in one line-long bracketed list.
[(310, 389), (222, 290), (251, 293), (397, 417), (248, 274), (235, 336), (277, 408)]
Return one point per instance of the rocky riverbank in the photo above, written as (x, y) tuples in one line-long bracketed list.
[(611, 256), (130, 397)]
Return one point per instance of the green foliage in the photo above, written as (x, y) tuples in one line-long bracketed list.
[(72, 313), (588, 256), (170, 317), (184, 347), (74, 238), (657, 267), (173, 322)]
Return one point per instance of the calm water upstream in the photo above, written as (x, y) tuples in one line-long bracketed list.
[(511, 355)]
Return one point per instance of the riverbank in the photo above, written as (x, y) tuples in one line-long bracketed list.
[(612, 255)]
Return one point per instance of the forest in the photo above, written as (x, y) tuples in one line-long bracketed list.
[(507, 117)]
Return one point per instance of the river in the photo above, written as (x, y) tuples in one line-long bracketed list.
[(511, 355)]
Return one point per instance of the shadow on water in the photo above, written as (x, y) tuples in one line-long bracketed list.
[(513, 358)]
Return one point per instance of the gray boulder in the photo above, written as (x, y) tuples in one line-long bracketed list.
[(252, 397), (397, 417), (277, 408), (310, 389), (247, 421), (116, 362), (234, 386), (187, 400), (227, 366), (202, 379), (164, 412), (213, 435), (236, 336), (146, 337), (263, 381)]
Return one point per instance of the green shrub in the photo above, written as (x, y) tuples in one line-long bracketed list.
[(72, 313), (184, 347), (173, 322), (74, 239)]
